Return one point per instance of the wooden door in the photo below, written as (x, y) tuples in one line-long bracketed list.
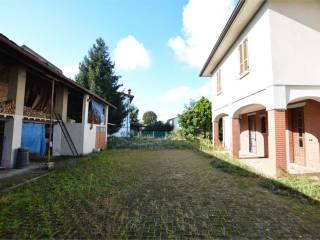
[(100, 137), (252, 134), (298, 143)]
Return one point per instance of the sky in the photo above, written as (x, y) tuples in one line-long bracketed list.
[(158, 46)]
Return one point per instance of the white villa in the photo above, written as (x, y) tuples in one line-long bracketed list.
[(265, 69)]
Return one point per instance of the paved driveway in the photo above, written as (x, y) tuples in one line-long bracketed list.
[(179, 193), (138, 194)]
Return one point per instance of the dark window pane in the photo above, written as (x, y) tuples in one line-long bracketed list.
[(300, 142)]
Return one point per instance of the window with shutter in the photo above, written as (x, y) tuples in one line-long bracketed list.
[(219, 81), (244, 60)]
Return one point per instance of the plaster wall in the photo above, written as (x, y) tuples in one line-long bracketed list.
[(295, 37), (259, 77)]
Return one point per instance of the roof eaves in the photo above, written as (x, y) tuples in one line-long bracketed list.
[(223, 34), (9, 43)]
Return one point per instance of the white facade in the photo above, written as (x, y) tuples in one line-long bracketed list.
[(282, 42), (283, 47)]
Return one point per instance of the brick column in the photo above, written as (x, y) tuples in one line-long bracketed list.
[(215, 128), (277, 139), (235, 145)]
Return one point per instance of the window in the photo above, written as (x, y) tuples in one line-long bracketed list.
[(263, 125), (218, 81), (244, 61)]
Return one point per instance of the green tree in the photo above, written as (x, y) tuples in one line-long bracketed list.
[(149, 118), (197, 118), (97, 74), (158, 126), (134, 114)]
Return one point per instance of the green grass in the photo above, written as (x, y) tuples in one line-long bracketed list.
[(161, 193), (297, 186), (146, 143), (55, 203)]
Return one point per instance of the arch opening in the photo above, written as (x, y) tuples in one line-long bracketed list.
[(221, 132), (303, 133), (251, 124)]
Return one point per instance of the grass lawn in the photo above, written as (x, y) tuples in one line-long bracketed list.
[(152, 194)]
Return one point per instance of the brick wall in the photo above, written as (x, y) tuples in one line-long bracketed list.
[(277, 139), (216, 142), (235, 145), (312, 134)]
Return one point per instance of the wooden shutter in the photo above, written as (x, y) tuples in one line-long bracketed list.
[(244, 60), (245, 55), (218, 81), (241, 58)]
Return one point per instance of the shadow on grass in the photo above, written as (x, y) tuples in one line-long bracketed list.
[(222, 163), (270, 184)]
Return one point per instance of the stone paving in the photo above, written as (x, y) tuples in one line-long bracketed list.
[(154, 194), (179, 194)]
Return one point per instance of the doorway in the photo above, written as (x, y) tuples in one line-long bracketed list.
[(252, 134), (298, 142)]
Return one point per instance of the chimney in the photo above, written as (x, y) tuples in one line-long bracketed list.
[(129, 91)]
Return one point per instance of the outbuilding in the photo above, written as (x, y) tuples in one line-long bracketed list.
[(43, 110)]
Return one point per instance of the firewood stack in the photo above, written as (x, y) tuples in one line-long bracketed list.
[(7, 107), (29, 112)]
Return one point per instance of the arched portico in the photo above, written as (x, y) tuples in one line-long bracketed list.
[(303, 134), (249, 131), (220, 131)]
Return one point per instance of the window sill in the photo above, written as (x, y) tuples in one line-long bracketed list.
[(242, 75)]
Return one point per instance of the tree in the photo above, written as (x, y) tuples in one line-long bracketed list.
[(196, 118), (97, 74), (134, 114), (158, 126), (149, 118)]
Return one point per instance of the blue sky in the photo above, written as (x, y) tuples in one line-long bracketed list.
[(159, 46)]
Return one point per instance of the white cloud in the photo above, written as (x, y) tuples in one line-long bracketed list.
[(203, 20), (172, 102), (70, 71), (130, 54), (183, 94)]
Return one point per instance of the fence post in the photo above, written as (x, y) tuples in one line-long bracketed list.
[(153, 134)]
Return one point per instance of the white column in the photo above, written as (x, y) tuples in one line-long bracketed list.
[(13, 126), (57, 140), (60, 107), (85, 109), (86, 141)]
